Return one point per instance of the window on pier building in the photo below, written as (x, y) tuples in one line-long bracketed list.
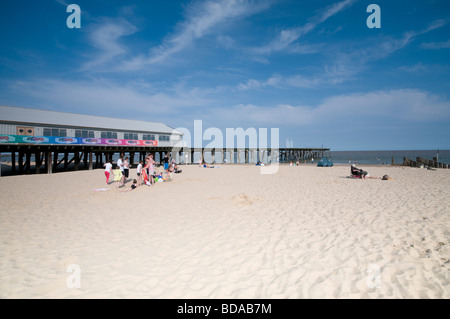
[(109, 135), (60, 132), (130, 136), (84, 133), (164, 138), (150, 137)]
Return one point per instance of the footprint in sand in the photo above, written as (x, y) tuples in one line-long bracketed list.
[(242, 199)]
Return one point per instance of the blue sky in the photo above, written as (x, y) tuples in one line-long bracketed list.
[(311, 68)]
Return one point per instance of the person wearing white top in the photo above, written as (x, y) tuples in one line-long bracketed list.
[(139, 172), (121, 165)]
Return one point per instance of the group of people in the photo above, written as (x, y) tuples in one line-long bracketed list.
[(146, 174)]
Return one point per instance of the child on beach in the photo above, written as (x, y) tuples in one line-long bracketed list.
[(169, 173), (108, 170), (118, 176), (159, 178), (150, 166)]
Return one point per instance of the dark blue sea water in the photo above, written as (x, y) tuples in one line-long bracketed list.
[(385, 157)]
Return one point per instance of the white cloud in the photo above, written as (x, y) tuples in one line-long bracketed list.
[(359, 109), (134, 100), (178, 106)]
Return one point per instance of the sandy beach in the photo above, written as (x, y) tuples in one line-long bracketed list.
[(228, 232)]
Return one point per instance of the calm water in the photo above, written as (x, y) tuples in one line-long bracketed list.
[(380, 157)]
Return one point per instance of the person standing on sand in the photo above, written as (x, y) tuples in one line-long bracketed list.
[(108, 170), (139, 173), (151, 167), (126, 170), (166, 162), (120, 163)]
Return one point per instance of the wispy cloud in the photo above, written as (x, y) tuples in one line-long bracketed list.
[(416, 68), (106, 39), (202, 18), (348, 62), (63, 2), (286, 38), (273, 81), (436, 45)]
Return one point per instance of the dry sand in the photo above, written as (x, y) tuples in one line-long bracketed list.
[(228, 232)]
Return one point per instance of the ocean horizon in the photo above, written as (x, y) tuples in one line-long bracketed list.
[(386, 156)]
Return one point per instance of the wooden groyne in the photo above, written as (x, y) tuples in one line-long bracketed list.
[(425, 162)]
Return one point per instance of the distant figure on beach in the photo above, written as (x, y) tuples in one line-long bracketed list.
[(133, 186), (176, 169), (120, 165), (108, 170), (169, 173), (207, 166), (150, 167), (139, 172), (358, 172), (118, 176), (126, 170), (166, 162)]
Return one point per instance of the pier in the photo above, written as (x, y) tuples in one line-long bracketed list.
[(54, 158)]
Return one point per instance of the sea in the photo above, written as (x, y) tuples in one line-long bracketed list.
[(385, 157)]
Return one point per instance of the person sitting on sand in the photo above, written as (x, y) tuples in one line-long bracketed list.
[(168, 175), (358, 172), (133, 186), (207, 166)]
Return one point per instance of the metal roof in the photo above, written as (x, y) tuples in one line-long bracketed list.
[(44, 117)]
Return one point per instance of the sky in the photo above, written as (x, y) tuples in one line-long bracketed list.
[(311, 68)]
